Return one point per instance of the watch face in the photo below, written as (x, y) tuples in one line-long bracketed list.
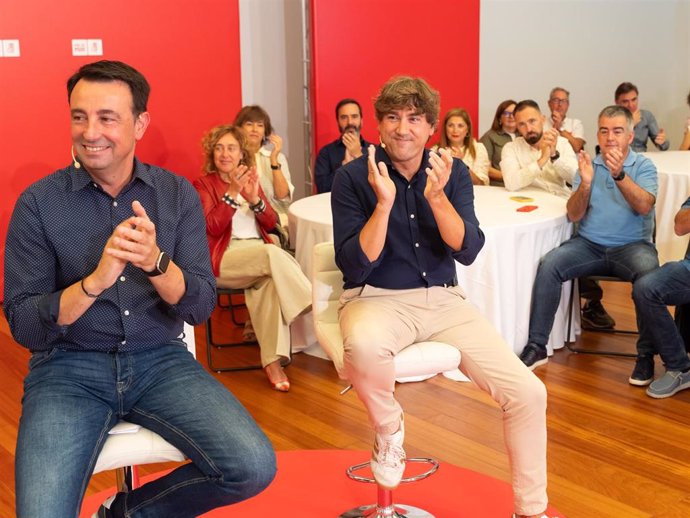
[(163, 262)]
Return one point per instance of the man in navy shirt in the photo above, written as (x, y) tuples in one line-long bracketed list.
[(104, 261), (402, 217), (350, 144)]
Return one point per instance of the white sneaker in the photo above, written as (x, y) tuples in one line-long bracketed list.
[(388, 458)]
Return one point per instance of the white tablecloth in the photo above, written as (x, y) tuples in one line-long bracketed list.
[(499, 282), (674, 187)]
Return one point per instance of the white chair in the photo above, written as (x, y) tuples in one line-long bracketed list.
[(416, 362), (130, 445)]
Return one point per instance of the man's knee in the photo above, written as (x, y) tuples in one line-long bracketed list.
[(253, 473), (531, 394)]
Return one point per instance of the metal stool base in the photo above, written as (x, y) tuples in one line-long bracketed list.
[(393, 511)]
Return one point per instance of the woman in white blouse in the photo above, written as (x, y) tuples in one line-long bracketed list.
[(271, 164), (457, 138)]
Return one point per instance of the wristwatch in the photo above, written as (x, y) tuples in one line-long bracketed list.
[(620, 176), (555, 156), (162, 264)]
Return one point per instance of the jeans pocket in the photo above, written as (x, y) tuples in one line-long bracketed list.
[(40, 357)]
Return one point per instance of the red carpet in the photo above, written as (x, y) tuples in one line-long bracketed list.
[(313, 484)]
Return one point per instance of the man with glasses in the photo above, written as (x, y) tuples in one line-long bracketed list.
[(570, 129), (613, 202), (537, 158)]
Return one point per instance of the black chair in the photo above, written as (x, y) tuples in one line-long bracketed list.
[(233, 307), (570, 321)]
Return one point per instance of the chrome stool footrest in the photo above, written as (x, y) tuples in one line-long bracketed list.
[(384, 508)]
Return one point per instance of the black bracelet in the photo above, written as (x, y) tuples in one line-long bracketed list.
[(90, 295), (228, 200), (259, 207)]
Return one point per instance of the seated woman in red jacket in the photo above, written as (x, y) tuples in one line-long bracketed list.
[(238, 220)]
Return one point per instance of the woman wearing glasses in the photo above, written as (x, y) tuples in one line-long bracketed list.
[(239, 219), (502, 131)]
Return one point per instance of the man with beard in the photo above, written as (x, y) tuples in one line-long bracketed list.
[(537, 158), (350, 144), (570, 129), (613, 202)]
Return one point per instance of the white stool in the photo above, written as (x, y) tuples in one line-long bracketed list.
[(417, 362)]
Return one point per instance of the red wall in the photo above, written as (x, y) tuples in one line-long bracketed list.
[(188, 51), (359, 44)]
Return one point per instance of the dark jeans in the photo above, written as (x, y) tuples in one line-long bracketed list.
[(667, 286), (579, 257), (72, 399)]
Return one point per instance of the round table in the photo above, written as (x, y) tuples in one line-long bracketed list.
[(674, 187), (499, 282)]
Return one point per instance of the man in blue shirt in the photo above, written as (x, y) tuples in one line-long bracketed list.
[(350, 144), (401, 218), (644, 121), (613, 201), (104, 261), (653, 293)]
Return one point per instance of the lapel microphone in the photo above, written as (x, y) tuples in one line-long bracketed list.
[(77, 165)]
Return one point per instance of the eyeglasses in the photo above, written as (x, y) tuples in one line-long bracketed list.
[(556, 100), (508, 114)]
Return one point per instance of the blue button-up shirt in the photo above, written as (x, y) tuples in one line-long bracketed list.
[(56, 237), (414, 254), (329, 160), (647, 128)]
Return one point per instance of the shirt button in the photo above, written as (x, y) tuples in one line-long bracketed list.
[(416, 245), (409, 187), (423, 274), (411, 216), (126, 312), (123, 342), (122, 278), (114, 204)]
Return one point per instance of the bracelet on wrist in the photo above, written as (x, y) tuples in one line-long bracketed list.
[(258, 207), (90, 295), (275, 167), (227, 199)]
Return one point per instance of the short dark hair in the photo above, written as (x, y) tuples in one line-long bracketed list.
[(343, 102), (402, 92), (254, 113), (527, 103), (106, 71), (625, 88), (496, 124)]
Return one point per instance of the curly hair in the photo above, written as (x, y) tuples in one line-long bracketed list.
[(408, 92), (208, 144)]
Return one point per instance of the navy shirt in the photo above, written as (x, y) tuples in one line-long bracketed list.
[(329, 160), (414, 254), (56, 237)]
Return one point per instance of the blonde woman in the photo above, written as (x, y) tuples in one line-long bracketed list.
[(239, 219), (457, 138)]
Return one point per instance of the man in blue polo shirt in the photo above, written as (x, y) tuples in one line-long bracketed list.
[(613, 202), (401, 218), (667, 286), (344, 149)]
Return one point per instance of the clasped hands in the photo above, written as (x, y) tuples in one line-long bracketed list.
[(133, 241)]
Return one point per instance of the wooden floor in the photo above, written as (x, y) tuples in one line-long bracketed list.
[(613, 451)]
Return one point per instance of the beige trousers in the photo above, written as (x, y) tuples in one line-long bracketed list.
[(377, 323), (275, 291)]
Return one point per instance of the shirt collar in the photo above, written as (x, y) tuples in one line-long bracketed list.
[(81, 178), (382, 156), (629, 160)]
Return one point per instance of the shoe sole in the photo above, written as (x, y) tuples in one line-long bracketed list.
[(680, 387), (640, 383), (537, 364)]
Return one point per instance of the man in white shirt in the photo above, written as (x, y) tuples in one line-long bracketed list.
[(570, 129), (537, 158)]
